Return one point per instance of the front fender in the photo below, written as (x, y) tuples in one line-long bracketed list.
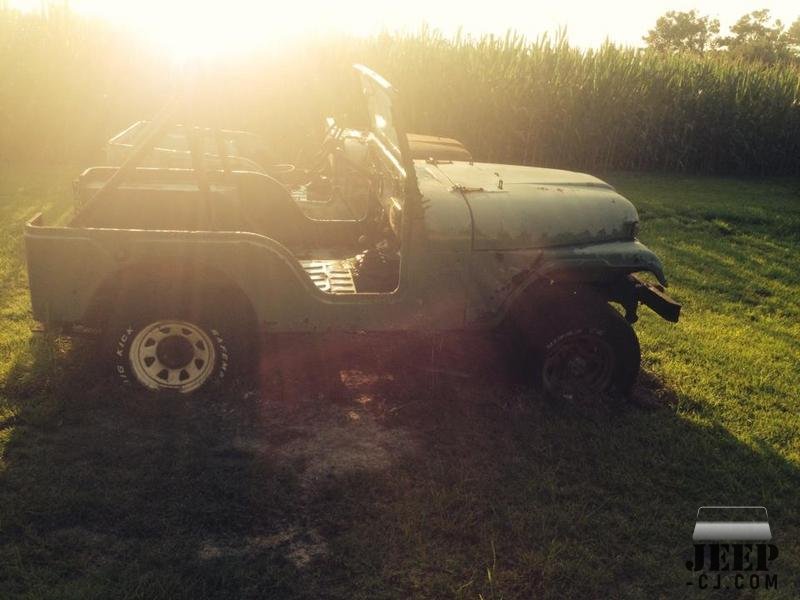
[(593, 262), (500, 279)]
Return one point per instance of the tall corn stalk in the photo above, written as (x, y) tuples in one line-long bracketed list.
[(68, 83)]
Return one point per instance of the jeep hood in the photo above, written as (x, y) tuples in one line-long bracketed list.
[(516, 207)]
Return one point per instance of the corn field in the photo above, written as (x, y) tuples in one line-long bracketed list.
[(69, 83)]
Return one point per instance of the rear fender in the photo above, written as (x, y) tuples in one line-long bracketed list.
[(189, 285)]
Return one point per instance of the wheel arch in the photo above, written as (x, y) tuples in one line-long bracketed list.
[(191, 285), (547, 305), (531, 299)]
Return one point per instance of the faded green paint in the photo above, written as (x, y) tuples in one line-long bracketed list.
[(445, 283), (473, 238), (517, 207)]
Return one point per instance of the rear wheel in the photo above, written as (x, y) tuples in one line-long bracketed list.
[(175, 355), (178, 352)]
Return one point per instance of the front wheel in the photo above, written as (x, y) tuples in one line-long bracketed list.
[(584, 349)]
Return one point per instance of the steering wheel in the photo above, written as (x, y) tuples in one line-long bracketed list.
[(332, 160)]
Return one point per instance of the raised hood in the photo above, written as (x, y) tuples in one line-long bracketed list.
[(517, 207)]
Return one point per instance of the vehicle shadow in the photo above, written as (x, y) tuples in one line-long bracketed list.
[(361, 466)]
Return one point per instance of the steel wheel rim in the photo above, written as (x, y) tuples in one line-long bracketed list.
[(185, 365), (579, 364)]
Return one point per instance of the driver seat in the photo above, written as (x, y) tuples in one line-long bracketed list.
[(268, 209)]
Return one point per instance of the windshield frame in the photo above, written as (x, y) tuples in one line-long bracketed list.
[(396, 152)]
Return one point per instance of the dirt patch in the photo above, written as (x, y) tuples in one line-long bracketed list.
[(299, 546), (651, 392), (321, 439), (326, 419), (342, 442), (304, 549)]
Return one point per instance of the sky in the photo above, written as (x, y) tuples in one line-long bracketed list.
[(230, 26)]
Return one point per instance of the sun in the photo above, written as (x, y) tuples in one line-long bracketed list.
[(196, 30), (207, 29)]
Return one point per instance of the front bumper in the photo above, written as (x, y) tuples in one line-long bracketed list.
[(654, 297)]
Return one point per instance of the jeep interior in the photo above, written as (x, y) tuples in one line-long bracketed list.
[(340, 218)]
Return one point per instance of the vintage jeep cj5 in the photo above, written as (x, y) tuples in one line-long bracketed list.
[(183, 271)]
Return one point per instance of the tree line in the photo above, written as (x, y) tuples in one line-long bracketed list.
[(755, 36)]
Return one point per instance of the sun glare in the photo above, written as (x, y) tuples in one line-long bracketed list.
[(188, 30), (211, 28)]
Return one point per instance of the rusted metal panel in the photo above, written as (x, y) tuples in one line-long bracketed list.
[(472, 238), (654, 297), (527, 207), (499, 278)]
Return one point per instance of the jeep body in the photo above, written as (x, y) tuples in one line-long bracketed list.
[(402, 244)]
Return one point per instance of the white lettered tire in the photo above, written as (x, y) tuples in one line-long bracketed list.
[(177, 355)]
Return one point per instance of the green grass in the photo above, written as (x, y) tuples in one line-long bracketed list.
[(396, 481)]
